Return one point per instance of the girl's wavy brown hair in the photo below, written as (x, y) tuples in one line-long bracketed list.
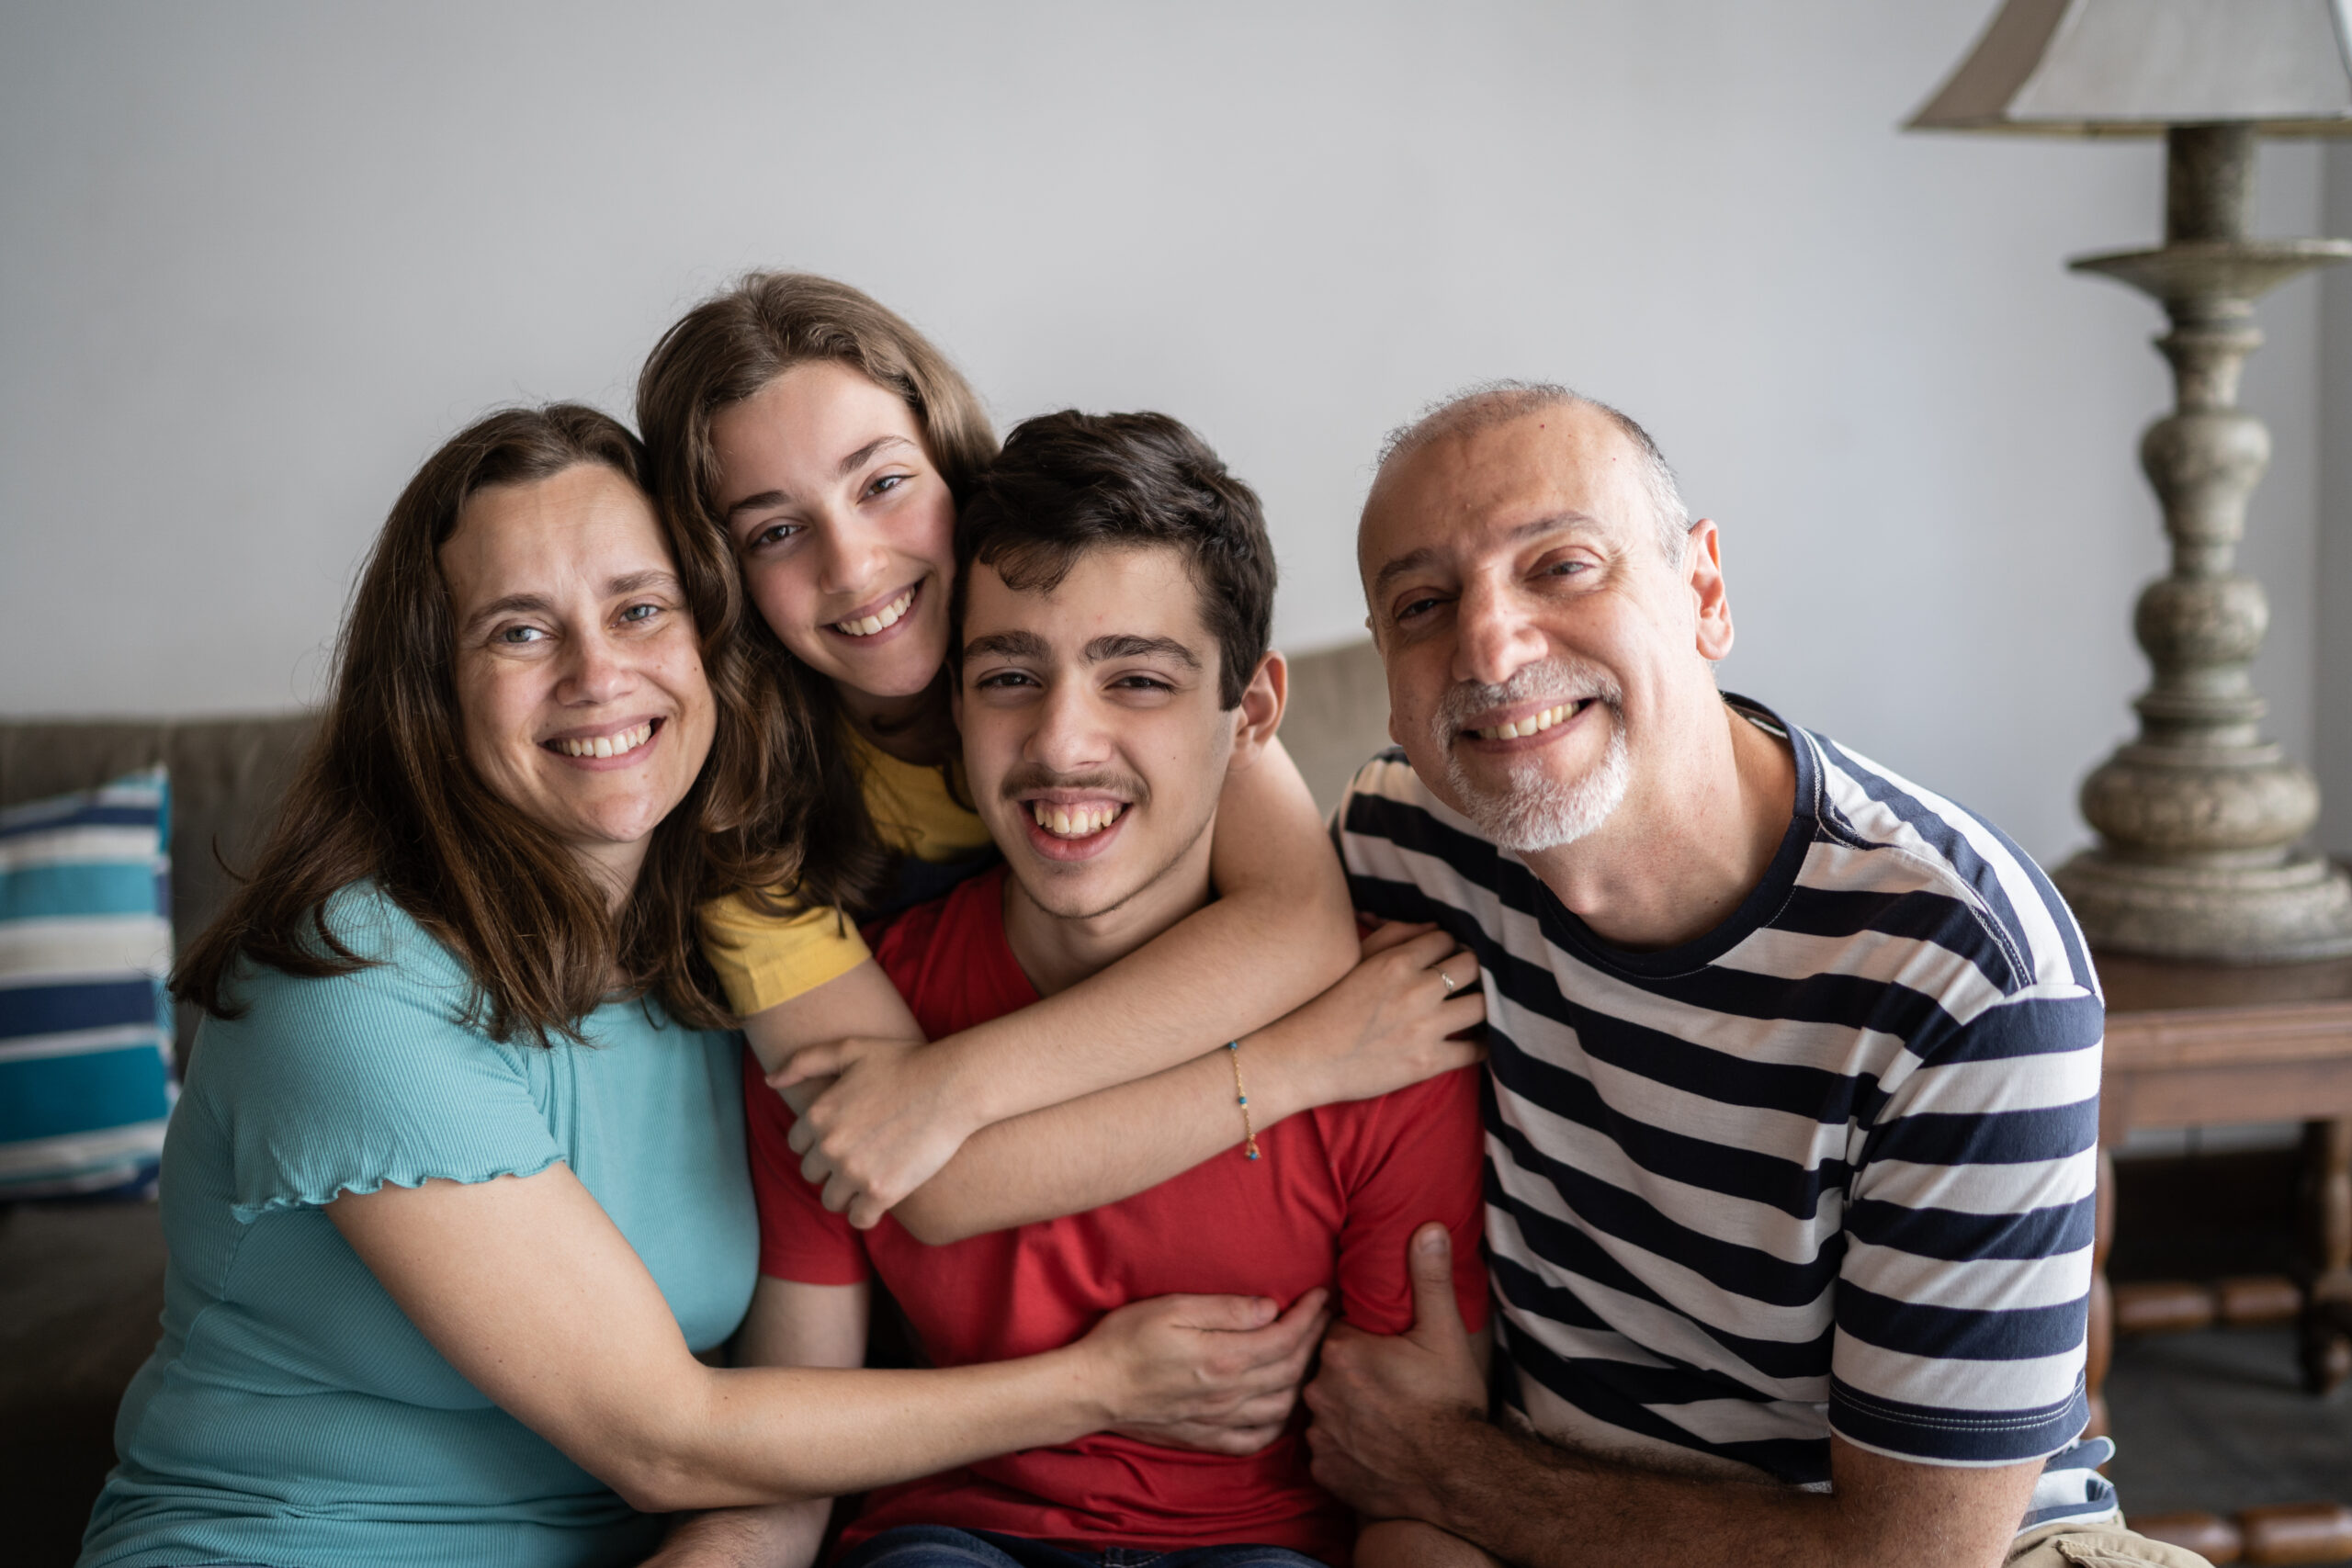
[(385, 791), (725, 350)]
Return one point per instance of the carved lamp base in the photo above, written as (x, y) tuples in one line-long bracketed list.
[(2298, 910)]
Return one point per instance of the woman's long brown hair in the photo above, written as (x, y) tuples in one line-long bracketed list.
[(385, 791), (725, 350)]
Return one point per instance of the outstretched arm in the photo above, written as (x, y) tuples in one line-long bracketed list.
[(1282, 932), (1401, 1432), (524, 1285), (1390, 1023)]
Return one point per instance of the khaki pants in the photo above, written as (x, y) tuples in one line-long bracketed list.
[(2096, 1546)]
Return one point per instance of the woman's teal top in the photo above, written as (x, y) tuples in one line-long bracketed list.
[(291, 1414)]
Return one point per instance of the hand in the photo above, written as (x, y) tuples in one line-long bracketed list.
[(1390, 1410), (890, 1117), (1388, 1023), (1216, 1373)]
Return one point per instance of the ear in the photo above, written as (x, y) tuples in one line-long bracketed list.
[(1703, 569), (1261, 710)]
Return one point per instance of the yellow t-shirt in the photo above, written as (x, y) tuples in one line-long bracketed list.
[(763, 959)]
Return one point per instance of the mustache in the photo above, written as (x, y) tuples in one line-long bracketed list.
[(1561, 680), (1030, 779)]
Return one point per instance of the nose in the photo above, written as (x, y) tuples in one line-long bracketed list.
[(852, 555), (600, 671), (1069, 736), (1495, 637)]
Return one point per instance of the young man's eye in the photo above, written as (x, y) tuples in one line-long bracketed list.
[(1003, 679), (1142, 683)]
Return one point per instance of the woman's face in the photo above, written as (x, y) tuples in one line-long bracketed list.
[(845, 528), (579, 673)]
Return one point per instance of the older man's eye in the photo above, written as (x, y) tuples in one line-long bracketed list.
[(1412, 607)]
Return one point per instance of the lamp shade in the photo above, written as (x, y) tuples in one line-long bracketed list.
[(2135, 67)]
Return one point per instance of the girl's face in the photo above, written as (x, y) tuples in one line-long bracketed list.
[(845, 528)]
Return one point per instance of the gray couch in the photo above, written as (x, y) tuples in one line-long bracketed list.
[(80, 1286)]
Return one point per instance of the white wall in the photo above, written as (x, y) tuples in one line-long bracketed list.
[(255, 260)]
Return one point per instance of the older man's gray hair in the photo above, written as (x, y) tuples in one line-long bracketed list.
[(1491, 403)]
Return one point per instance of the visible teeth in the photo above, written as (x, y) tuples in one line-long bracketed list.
[(1074, 821), (619, 745), (1533, 726), (888, 615)]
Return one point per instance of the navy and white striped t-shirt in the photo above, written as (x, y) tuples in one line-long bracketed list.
[(1830, 1168)]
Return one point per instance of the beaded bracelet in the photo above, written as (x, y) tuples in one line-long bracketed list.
[(1241, 1097)]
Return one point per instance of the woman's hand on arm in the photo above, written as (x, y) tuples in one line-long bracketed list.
[(1389, 1022), (1282, 930), (858, 1009), (530, 1292)]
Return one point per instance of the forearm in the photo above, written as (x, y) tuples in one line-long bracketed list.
[(1111, 1144), (784, 1536), (764, 1435), (1541, 1505), (1410, 1543)]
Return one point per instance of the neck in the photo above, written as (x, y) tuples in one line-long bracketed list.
[(1687, 845), (918, 729), (613, 868), (1059, 951)]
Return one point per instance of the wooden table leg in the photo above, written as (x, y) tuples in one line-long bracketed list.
[(2099, 1341), (2326, 1246)]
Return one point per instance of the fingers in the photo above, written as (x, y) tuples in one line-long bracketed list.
[(1223, 1314), (1437, 1315), (1392, 933), (811, 1062)]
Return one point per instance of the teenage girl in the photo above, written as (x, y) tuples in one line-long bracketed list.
[(828, 443)]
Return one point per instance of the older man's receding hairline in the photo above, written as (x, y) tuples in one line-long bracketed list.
[(1495, 403)]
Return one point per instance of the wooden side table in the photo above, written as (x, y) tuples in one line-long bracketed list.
[(2194, 1045)]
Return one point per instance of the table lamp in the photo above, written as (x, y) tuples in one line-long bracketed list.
[(2199, 817)]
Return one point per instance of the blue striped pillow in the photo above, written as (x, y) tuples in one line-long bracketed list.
[(86, 1025)]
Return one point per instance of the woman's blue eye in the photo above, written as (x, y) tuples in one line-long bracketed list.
[(641, 613), (520, 634)]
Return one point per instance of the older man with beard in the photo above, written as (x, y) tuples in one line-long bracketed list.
[(1790, 1127)]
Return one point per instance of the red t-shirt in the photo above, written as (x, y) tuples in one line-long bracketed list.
[(1334, 1200)]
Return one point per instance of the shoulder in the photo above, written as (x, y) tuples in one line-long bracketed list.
[(1905, 862)]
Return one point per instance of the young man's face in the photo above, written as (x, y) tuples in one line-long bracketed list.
[(1093, 737)]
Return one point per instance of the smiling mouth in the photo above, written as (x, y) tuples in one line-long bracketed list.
[(883, 619), (619, 745), (1534, 723), (1081, 821)]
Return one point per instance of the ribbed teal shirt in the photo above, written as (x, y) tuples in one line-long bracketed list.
[(292, 1414)]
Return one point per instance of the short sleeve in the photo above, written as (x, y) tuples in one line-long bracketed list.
[(800, 1239), (1406, 1159), (348, 1083), (764, 958), (1381, 827), (1965, 1293)]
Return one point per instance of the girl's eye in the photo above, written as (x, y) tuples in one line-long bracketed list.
[(774, 533)]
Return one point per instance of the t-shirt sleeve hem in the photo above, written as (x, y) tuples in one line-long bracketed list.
[(320, 1193), (1928, 1434), (765, 960)]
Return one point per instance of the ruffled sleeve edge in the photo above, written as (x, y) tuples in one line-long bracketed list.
[(319, 1195)]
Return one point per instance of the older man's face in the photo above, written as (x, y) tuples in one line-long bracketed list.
[(1544, 654)]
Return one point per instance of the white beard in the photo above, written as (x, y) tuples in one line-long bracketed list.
[(1536, 811)]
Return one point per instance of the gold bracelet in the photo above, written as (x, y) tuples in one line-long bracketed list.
[(1241, 1097)]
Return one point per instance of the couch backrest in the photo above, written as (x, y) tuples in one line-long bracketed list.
[(227, 774)]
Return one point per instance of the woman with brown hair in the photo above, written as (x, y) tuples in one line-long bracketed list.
[(824, 443), (456, 1196)]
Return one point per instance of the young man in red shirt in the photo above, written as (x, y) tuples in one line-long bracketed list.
[(1111, 668)]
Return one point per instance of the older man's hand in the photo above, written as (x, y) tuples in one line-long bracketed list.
[(1390, 1410)]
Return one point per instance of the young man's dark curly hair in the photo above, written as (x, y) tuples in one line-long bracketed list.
[(1070, 482)]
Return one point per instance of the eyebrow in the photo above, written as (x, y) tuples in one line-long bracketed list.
[(847, 466), (1008, 644), (525, 604), (1128, 645), (1413, 560)]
